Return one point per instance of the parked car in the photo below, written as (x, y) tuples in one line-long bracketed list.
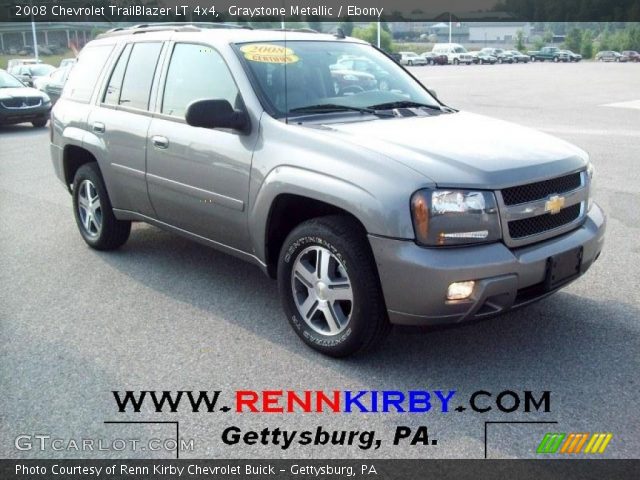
[(350, 82), (19, 103), (14, 62), (548, 53), (517, 56), (351, 202), (632, 55), (27, 74), (483, 57), (434, 59), (501, 55), (573, 57), (411, 58), (396, 56), (455, 53), (611, 56), (363, 64), (53, 84)]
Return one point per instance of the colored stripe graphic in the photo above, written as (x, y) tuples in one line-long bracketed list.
[(550, 443), (598, 443), (573, 443)]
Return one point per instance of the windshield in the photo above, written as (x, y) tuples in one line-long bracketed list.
[(9, 81), (41, 70), (459, 50), (313, 73)]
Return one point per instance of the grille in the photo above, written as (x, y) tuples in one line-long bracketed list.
[(21, 102), (543, 223), (540, 190)]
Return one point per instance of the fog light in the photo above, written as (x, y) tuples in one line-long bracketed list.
[(460, 290)]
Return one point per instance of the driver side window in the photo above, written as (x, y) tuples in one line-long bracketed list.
[(196, 72)]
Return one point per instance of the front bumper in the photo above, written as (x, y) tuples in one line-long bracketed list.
[(415, 279), (20, 115)]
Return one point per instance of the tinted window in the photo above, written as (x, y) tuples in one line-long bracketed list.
[(196, 72), (112, 93), (84, 76), (138, 76)]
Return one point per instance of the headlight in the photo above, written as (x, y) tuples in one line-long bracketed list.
[(590, 173), (45, 98), (455, 217)]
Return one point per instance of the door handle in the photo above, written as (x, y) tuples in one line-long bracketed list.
[(160, 142), (98, 127)]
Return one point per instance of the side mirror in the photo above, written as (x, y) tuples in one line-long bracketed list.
[(212, 113), (432, 92)]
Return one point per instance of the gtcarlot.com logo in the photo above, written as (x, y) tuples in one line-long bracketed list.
[(574, 443)]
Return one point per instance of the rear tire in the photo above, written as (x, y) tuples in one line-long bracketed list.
[(99, 227), (329, 287)]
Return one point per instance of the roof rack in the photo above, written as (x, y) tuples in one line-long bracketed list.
[(173, 26), (298, 30)]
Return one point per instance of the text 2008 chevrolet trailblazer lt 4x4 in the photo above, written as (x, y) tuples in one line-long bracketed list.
[(355, 191)]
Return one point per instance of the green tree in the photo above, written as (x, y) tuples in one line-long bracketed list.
[(587, 44), (370, 34), (547, 37), (520, 41), (538, 43), (573, 40)]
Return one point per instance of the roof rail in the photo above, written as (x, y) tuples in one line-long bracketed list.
[(173, 26), (299, 30)]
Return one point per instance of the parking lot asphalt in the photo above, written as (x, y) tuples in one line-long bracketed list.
[(163, 313)]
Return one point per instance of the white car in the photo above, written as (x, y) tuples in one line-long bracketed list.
[(411, 58), (455, 52)]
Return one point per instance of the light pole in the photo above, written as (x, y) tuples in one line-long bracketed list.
[(33, 32), (378, 34), (35, 41)]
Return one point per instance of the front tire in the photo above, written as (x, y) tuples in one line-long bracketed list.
[(456, 61), (329, 287), (92, 208), (41, 122)]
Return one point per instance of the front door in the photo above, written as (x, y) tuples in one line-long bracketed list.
[(198, 178)]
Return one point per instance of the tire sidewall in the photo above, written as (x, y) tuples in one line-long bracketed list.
[(91, 172), (347, 340)]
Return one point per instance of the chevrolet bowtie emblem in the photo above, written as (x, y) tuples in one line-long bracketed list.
[(554, 204)]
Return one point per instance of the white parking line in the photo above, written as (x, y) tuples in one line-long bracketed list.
[(631, 104)]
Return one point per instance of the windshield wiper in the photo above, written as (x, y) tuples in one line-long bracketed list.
[(334, 107), (404, 104)]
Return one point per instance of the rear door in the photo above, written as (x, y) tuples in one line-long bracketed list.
[(198, 178), (122, 121)]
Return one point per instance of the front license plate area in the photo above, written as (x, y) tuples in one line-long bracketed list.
[(563, 267)]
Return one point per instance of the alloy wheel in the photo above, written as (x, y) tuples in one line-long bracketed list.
[(322, 290), (89, 208)]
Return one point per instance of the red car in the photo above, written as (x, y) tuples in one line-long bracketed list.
[(435, 59), (633, 55)]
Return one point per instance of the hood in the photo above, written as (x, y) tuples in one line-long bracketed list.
[(19, 92), (464, 149)]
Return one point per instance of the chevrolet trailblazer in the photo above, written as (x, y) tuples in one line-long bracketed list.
[(363, 203)]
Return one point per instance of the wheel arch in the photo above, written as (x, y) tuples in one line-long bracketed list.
[(73, 157), (291, 195)]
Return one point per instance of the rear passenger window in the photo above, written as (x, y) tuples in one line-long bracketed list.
[(196, 72), (138, 75), (112, 94), (84, 76)]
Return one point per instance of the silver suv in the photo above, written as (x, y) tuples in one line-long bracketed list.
[(362, 198)]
